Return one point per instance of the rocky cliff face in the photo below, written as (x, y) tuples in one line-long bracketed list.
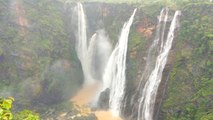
[(111, 17), (38, 61), (185, 74), (188, 94)]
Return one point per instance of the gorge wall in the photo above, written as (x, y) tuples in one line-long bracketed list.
[(40, 67)]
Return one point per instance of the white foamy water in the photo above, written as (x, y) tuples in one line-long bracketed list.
[(153, 76), (114, 76), (90, 50)]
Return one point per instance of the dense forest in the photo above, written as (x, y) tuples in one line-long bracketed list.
[(41, 71)]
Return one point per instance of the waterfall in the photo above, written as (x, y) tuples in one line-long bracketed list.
[(152, 74), (101, 52), (81, 45), (151, 57), (114, 76), (89, 51)]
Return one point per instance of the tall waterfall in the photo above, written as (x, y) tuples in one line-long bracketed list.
[(81, 44), (114, 77), (89, 51), (152, 74)]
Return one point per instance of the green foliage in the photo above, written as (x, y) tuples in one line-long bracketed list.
[(135, 39), (6, 114), (26, 115), (26, 59), (107, 1), (174, 4), (5, 107), (191, 76), (207, 117)]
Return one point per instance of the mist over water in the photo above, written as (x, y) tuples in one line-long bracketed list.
[(98, 62), (94, 52), (101, 54)]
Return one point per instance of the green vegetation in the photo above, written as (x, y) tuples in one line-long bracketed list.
[(28, 52), (6, 114), (5, 108), (191, 76), (26, 115), (42, 68), (175, 4)]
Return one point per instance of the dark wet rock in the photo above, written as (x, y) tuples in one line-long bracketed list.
[(103, 102)]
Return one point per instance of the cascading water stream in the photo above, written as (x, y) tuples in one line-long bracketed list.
[(114, 72), (81, 44), (114, 77), (88, 51), (153, 77), (154, 48)]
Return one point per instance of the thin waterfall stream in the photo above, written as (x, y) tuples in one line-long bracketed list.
[(149, 91), (82, 44), (97, 47)]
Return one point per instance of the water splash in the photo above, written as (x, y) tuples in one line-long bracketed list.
[(153, 76), (114, 76), (81, 44), (89, 51), (102, 50)]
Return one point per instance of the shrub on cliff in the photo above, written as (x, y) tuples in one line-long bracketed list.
[(5, 106), (6, 114)]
